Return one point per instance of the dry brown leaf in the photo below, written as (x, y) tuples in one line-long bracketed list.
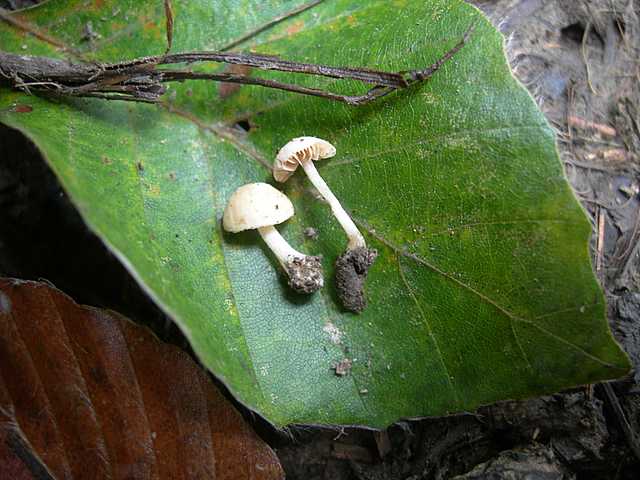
[(91, 395)]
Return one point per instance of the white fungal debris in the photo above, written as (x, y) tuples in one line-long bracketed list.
[(335, 334)]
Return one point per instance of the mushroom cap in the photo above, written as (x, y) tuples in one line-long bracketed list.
[(298, 149), (256, 205)]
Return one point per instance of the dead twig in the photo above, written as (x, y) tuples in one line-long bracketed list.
[(615, 155), (570, 102), (585, 58), (589, 166), (143, 79), (583, 124), (168, 13)]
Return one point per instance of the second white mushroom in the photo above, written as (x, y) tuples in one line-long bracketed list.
[(304, 151), (353, 265)]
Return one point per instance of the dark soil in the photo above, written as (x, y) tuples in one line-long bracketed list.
[(580, 60), (351, 274), (305, 274), (18, 4)]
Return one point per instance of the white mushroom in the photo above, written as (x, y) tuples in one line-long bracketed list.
[(353, 265), (304, 151), (260, 206)]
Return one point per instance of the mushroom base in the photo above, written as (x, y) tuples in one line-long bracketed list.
[(351, 272), (305, 273)]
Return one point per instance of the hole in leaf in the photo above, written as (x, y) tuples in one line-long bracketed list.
[(243, 125)]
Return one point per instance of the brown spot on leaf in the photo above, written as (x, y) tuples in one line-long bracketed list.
[(295, 27), (154, 190), (21, 108), (226, 89)]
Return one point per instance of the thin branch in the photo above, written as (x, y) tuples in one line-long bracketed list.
[(585, 57), (420, 75), (168, 13), (373, 94), (179, 75), (266, 62), (142, 79), (126, 98)]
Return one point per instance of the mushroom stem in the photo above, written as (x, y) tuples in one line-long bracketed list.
[(304, 271), (278, 245), (356, 240)]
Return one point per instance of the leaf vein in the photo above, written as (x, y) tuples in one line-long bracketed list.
[(429, 331), (224, 133), (478, 293), (49, 404), (428, 141)]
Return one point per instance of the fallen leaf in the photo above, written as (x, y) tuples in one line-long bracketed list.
[(86, 390), (17, 459)]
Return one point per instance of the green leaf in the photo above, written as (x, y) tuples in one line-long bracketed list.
[(483, 289)]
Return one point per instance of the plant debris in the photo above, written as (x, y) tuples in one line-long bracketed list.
[(311, 233), (143, 79), (351, 272), (343, 367)]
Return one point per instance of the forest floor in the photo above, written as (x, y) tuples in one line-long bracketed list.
[(580, 59)]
